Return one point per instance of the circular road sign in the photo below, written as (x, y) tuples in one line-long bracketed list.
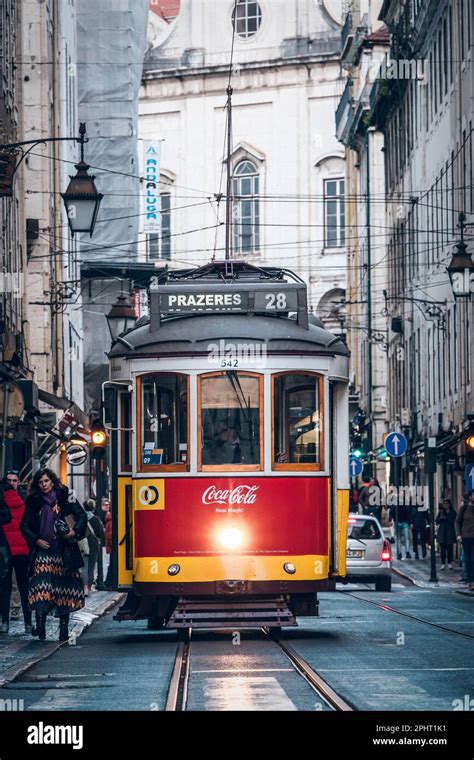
[(355, 466), (396, 444), (76, 454)]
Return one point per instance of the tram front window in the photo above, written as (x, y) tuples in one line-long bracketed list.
[(297, 425), (230, 421), (164, 420)]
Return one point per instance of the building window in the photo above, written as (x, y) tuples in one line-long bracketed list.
[(159, 244), (246, 18), (246, 211), (334, 213)]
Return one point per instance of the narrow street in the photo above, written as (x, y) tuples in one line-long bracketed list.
[(373, 657)]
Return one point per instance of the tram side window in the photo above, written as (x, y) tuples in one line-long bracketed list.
[(297, 426), (164, 420), (230, 421)]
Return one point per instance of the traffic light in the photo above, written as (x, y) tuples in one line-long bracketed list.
[(470, 442), (98, 440)]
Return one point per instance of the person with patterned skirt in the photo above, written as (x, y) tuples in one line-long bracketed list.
[(55, 582)]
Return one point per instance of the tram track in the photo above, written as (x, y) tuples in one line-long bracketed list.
[(180, 679), (389, 608), (321, 687)]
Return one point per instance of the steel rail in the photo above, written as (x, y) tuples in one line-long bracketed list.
[(388, 608), (319, 684), (178, 687)]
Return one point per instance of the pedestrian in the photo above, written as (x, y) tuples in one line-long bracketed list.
[(55, 560), (404, 521), (445, 520), (465, 535), (108, 548), (421, 519), (386, 521), (5, 554), (95, 535), (13, 497), (370, 498), (13, 477)]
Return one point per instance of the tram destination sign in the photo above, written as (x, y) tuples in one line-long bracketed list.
[(239, 298), (219, 300), (256, 297)]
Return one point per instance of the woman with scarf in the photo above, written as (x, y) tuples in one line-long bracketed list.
[(55, 581)]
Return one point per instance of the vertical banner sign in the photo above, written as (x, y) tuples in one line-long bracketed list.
[(151, 163)]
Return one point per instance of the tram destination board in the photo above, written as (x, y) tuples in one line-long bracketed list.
[(261, 298)]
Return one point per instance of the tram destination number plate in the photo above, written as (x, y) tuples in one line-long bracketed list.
[(222, 300)]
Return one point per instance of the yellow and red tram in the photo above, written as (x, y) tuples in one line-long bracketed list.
[(227, 414)]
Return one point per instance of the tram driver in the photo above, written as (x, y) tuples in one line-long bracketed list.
[(228, 447)]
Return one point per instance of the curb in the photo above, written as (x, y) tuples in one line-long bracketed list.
[(49, 648), (425, 584)]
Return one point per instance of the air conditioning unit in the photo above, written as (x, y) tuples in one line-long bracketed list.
[(405, 417)]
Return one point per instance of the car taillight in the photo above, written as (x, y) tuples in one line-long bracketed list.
[(386, 551)]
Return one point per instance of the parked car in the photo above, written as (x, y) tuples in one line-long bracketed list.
[(369, 554)]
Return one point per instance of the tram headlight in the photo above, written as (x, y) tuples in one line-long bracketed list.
[(174, 569), (231, 538), (289, 568)]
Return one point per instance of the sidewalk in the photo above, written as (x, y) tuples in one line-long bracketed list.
[(19, 652), (419, 572)]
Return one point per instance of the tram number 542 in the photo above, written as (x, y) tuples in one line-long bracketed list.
[(276, 301)]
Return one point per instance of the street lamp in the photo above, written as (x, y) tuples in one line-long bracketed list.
[(120, 318), (81, 198), (461, 267)]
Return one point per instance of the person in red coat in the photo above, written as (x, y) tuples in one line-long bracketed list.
[(108, 532), (11, 496)]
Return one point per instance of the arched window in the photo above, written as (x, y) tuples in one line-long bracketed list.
[(246, 212), (246, 18)]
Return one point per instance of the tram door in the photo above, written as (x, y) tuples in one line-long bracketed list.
[(118, 418)]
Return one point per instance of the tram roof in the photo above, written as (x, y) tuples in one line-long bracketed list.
[(190, 334), (180, 325)]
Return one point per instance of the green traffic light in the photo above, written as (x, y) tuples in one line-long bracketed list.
[(358, 453)]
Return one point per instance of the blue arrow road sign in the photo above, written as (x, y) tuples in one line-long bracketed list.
[(355, 467), (469, 477), (396, 444)]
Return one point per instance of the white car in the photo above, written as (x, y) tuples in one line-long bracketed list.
[(369, 555)]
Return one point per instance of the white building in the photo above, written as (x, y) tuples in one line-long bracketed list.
[(288, 167)]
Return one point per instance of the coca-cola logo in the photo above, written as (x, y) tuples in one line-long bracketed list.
[(242, 494)]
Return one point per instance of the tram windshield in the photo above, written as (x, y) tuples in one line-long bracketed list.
[(297, 424), (164, 419), (230, 420)]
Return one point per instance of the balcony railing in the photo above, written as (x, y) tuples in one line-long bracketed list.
[(344, 103), (347, 29), (344, 112)]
